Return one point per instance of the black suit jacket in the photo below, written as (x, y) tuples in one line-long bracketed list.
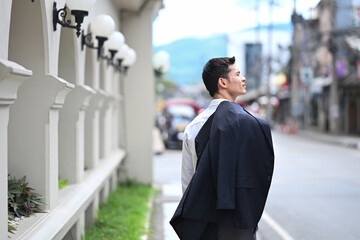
[(233, 175)]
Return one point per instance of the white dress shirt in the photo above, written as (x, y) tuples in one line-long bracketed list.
[(189, 157)]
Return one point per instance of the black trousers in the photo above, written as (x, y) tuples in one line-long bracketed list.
[(229, 233), (196, 230)]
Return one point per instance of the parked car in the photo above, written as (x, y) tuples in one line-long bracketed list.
[(176, 115)]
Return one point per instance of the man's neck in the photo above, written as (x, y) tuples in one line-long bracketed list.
[(222, 96)]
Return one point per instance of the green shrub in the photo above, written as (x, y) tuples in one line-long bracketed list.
[(22, 200), (11, 228), (62, 183)]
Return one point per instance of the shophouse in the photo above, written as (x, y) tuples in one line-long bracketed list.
[(325, 66)]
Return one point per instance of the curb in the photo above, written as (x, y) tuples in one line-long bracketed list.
[(147, 227), (352, 144)]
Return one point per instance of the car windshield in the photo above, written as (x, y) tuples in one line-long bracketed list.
[(183, 111)]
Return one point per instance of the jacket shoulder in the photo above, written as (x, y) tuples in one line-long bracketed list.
[(227, 117), (228, 109)]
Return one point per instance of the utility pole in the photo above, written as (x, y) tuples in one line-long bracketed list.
[(294, 97), (333, 95), (270, 31), (257, 32)]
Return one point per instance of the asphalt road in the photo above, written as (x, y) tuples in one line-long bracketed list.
[(315, 193)]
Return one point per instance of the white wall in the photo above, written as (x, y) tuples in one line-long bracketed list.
[(5, 7), (47, 118), (139, 104)]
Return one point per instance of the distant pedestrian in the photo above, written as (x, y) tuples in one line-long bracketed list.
[(227, 163)]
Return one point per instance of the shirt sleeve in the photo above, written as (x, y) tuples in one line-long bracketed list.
[(187, 169)]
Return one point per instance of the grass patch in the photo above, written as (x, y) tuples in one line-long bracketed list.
[(124, 214), (62, 183)]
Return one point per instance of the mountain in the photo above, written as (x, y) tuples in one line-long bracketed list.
[(189, 55)]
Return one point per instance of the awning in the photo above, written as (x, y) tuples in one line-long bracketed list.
[(350, 81), (318, 84), (353, 42)]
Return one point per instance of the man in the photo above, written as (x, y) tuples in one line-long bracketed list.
[(227, 163)]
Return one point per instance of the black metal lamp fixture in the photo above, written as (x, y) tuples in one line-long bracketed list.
[(129, 60), (110, 58), (114, 44), (102, 26), (79, 9), (120, 56), (118, 66), (86, 40), (161, 62)]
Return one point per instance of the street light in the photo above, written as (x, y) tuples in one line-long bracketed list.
[(101, 26), (79, 9), (161, 62), (121, 55), (113, 44), (129, 60)]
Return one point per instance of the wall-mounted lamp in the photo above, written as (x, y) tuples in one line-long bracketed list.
[(113, 44), (121, 55), (161, 62), (79, 9), (129, 59), (101, 26)]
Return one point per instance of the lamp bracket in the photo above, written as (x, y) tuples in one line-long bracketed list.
[(118, 67), (87, 40), (110, 58), (62, 13)]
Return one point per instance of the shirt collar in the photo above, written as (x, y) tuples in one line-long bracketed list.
[(215, 102)]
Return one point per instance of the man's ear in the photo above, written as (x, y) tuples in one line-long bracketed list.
[(222, 82)]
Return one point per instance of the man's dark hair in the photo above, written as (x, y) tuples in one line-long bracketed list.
[(214, 69)]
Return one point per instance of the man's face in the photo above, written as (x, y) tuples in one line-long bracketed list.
[(236, 82)]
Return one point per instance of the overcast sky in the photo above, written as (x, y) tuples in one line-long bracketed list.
[(189, 18)]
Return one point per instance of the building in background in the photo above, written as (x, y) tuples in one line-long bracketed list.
[(253, 65), (255, 50), (324, 65), (68, 114)]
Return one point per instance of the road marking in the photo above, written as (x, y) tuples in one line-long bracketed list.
[(274, 225)]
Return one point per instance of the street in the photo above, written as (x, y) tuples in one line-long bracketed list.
[(315, 193)]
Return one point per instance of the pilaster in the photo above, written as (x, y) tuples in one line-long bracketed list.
[(12, 75), (71, 135), (33, 127)]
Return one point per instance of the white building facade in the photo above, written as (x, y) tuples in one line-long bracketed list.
[(64, 114)]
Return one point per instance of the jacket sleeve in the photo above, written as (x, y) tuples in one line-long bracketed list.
[(224, 157)]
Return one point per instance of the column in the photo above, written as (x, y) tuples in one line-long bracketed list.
[(12, 76), (139, 93), (92, 124), (33, 134), (71, 134), (104, 125)]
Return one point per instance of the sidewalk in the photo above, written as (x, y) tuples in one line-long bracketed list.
[(339, 140), (164, 207)]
